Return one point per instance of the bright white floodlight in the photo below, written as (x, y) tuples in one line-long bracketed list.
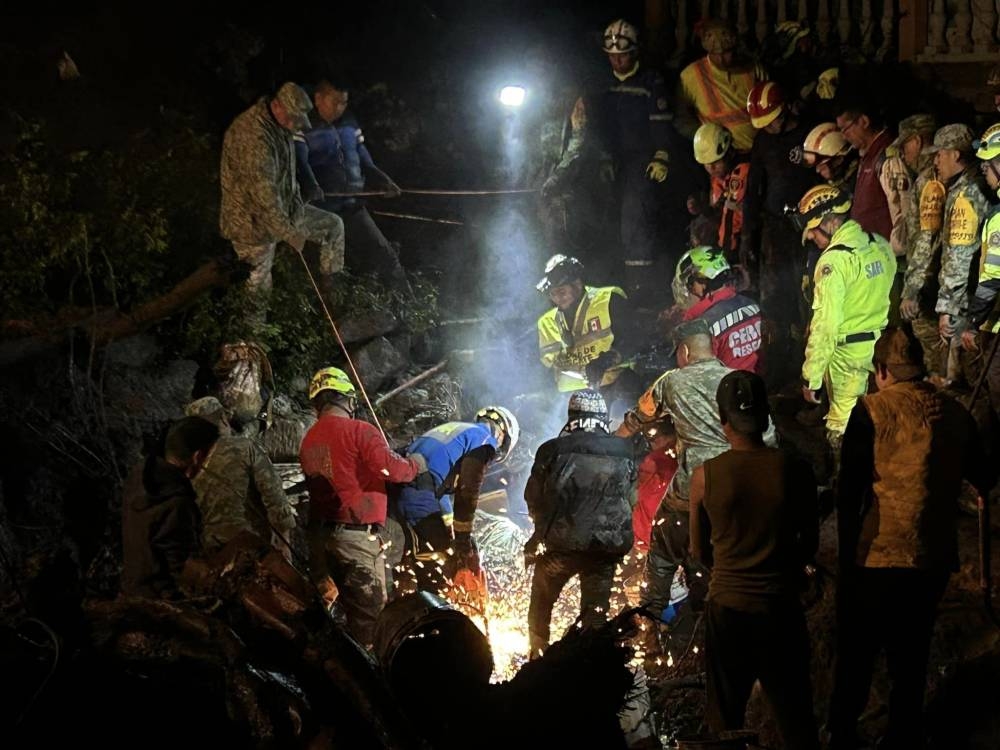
[(512, 96)]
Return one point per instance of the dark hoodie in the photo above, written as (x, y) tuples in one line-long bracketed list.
[(161, 528)]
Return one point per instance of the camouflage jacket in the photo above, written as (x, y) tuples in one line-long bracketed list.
[(965, 210), (261, 202), (924, 217), (236, 487), (687, 395)]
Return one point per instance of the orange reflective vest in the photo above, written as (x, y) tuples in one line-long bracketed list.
[(728, 192), (720, 96)]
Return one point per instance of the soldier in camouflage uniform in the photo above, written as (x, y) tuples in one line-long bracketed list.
[(965, 210), (923, 218), (261, 202), (687, 396), (238, 488)]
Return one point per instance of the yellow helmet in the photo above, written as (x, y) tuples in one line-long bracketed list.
[(330, 379), (817, 203), (988, 147), (711, 142)]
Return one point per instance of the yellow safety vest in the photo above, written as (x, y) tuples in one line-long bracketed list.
[(566, 348), (720, 96)]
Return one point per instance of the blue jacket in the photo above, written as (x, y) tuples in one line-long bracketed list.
[(334, 157), (443, 448)]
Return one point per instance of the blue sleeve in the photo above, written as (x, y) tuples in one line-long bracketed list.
[(307, 180)]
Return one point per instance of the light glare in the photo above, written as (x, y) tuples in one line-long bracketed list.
[(512, 96)]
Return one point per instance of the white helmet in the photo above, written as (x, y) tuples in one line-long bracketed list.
[(620, 36), (505, 420)]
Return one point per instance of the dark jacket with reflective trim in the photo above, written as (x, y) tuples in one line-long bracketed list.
[(581, 493), (635, 117)]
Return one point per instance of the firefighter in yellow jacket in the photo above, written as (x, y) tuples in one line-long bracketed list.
[(584, 338), (852, 280)]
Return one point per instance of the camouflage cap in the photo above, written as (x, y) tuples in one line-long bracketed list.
[(956, 136), (208, 408), (689, 328), (297, 104), (922, 124), (900, 352)]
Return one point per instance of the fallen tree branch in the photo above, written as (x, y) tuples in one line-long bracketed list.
[(108, 325), (411, 382)]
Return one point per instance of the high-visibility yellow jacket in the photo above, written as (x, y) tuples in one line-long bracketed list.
[(568, 347), (851, 298), (720, 96), (982, 306)]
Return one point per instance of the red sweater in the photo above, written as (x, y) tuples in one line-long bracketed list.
[(655, 473), (347, 463)]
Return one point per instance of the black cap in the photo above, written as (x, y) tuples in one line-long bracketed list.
[(742, 399)]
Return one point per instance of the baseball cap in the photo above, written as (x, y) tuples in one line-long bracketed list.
[(956, 136), (742, 399), (297, 104)]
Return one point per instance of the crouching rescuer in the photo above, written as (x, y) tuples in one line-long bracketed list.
[(580, 495)]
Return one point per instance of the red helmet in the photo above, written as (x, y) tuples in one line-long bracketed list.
[(765, 102)]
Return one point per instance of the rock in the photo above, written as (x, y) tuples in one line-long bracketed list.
[(378, 361), (135, 351), (361, 326)]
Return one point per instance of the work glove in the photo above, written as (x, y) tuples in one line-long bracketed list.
[(420, 461), (466, 555), (657, 170), (595, 370), (909, 309), (314, 194)]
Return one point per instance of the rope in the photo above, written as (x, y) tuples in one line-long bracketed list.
[(343, 348), (414, 217), (428, 191)]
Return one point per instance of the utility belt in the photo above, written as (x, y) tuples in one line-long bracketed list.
[(370, 528), (857, 338)]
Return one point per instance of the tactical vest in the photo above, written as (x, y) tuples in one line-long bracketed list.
[(569, 348)]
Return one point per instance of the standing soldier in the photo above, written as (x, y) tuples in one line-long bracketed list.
[(261, 203), (965, 210), (580, 495), (924, 216), (983, 315), (850, 306)]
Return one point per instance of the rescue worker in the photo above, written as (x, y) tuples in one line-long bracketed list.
[(882, 189), (161, 525), (714, 88), (906, 452), (687, 396), (655, 472), (436, 511), (586, 337), (332, 157), (238, 488), (755, 521), (638, 135), (261, 202), (729, 172), (924, 217), (850, 308), (775, 181), (346, 463), (984, 320), (734, 320), (580, 496), (827, 151), (965, 210)]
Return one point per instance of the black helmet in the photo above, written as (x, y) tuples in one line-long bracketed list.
[(559, 270)]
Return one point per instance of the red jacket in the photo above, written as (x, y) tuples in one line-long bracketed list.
[(655, 473), (735, 324), (871, 207), (347, 463)]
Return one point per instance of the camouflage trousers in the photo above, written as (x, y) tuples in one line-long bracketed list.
[(323, 229), (355, 560), (925, 328)]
